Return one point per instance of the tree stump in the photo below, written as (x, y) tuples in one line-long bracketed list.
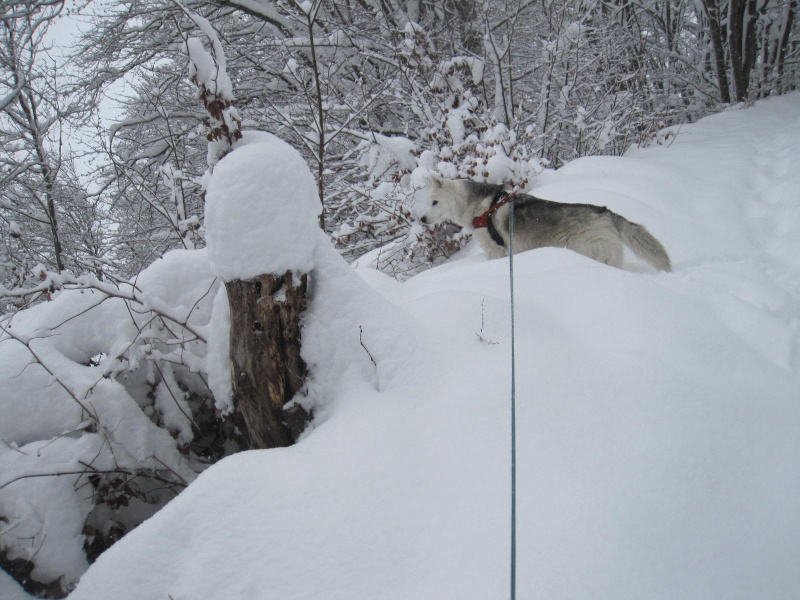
[(266, 367)]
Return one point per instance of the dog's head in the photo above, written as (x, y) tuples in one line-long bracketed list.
[(433, 203)]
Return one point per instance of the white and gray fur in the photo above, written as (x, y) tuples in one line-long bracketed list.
[(593, 231)]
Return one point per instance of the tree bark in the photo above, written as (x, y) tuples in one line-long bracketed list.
[(742, 42), (266, 367), (780, 55), (716, 34)]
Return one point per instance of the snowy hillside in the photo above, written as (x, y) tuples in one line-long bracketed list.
[(658, 414)]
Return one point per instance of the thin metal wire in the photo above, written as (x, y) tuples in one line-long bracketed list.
[(513, 408)]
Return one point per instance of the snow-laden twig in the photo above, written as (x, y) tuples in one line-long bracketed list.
[(361, 341), (52, 281), (92, 471), (27, 343)]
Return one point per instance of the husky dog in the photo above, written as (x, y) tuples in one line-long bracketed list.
[(593, 231)]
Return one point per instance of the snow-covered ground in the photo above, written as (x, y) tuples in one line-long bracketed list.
[(658, 415)]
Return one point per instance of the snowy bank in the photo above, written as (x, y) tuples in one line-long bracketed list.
[(90, 396), (657, 414)]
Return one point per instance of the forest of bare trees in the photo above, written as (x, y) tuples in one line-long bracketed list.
[(365, 90)]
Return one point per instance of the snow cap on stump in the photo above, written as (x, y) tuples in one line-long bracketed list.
[(262, 210)]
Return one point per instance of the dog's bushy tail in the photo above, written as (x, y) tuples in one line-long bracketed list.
[(642, 243)]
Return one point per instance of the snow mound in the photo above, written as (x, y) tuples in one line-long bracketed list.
[(262, 210), (76, 401), (10, 589), (657, 415)]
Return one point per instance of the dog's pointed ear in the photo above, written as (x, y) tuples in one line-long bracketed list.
[(435, 181)]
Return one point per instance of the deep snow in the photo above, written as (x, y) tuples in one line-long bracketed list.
[(658, 414), (258, 220)]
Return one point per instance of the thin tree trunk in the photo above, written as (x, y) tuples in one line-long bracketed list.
[(742, 44), (780, 55), (715, 31), (28, 104), (320, 119)]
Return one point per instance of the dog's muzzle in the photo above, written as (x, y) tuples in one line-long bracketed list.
[(424, 220)]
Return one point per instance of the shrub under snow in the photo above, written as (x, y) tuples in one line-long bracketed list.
[(106, 413)]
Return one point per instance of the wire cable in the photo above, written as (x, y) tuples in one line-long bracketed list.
[(513, 407)]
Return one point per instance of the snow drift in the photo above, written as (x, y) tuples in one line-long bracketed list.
[(658, 414)]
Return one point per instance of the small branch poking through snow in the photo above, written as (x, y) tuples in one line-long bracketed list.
[(480, 333), (361, 341), (92, 471), (40, 362)]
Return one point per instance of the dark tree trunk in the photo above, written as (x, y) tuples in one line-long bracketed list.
[(266, 367), (715, 31), (780, 55), (742, 39)]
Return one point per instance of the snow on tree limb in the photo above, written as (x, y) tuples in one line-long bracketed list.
[(208, 71)]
